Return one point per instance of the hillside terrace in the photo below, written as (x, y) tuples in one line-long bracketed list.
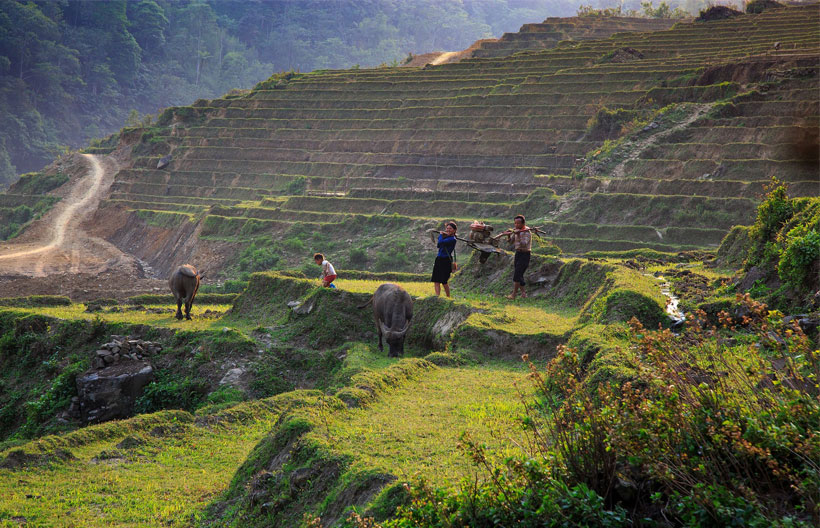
[(490, 131)]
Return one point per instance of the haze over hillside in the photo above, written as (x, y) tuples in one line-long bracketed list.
[(73, 71), (656, 363)]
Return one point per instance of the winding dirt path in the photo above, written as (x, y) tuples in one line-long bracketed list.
[(72, 206), (56, 254), (444, 57)]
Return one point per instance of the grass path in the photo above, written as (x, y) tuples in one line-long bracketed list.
[(164, 481), (165, 319), (521, 317), (415, 429), (172, 472)]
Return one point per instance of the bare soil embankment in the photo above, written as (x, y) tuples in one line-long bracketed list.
[(57, 254)]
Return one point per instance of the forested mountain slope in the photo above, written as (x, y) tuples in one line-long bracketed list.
[(74, 70)]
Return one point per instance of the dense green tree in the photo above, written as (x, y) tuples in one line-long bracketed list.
[(147, 23)]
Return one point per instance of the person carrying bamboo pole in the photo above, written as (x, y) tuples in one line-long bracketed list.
[(445, 259), (521, 238)]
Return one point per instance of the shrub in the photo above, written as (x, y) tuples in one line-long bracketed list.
[(259, 256), (609, 124), (294, 244), (296, 186), (758, 6), (717, 13), (358, 257), (798, 264), (169, 392), (393, 258), (663, 10), (225, 394), (785, 240), (38, 183)]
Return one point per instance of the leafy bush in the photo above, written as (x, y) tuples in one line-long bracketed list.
[(225, 394), (785, 240), (798, 264), (393, 258), (663, 10), (758, 6), (38, 183), (609, 124), (297, 186), (259, 256), (167, 391), (296, 245), (358, 257), (14, 219)]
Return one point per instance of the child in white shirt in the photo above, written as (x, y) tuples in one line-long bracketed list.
[(328, 271)]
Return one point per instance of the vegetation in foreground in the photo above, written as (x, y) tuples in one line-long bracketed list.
[(717, 427)]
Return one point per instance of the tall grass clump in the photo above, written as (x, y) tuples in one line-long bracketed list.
[(718, 426), (610, 124)]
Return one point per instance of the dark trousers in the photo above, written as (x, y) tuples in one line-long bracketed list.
[(522, 262)]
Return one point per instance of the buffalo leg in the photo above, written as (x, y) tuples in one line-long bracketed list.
[(188, 302), (179, 308), (381, 347)]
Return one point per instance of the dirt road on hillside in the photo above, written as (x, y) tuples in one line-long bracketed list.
[(55, 255), (444, 57)]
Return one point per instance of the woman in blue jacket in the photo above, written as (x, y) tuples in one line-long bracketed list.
[(445, 259)]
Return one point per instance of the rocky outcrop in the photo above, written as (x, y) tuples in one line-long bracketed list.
[(119, 373)]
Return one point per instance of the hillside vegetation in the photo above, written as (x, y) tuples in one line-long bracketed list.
[(664, 369), (665, 151)]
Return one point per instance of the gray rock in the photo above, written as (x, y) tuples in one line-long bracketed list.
[(232, 377), (110, 393), (304, 308)]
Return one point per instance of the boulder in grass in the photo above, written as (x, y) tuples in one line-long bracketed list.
[(164, 161), (111, 392)]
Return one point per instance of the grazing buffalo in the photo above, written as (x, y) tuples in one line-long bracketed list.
[(393, 310), (184, 283)]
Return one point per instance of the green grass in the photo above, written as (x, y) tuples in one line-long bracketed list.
[(163, 481), (526, 317), (523, 319), (435, 410), (199, 321)]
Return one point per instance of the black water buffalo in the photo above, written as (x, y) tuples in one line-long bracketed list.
[(393, 310), (184, 283)]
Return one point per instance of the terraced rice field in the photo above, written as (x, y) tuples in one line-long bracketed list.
[(734, 103)]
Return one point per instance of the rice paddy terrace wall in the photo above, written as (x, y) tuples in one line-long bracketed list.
[(553, 31), (665, 145)]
